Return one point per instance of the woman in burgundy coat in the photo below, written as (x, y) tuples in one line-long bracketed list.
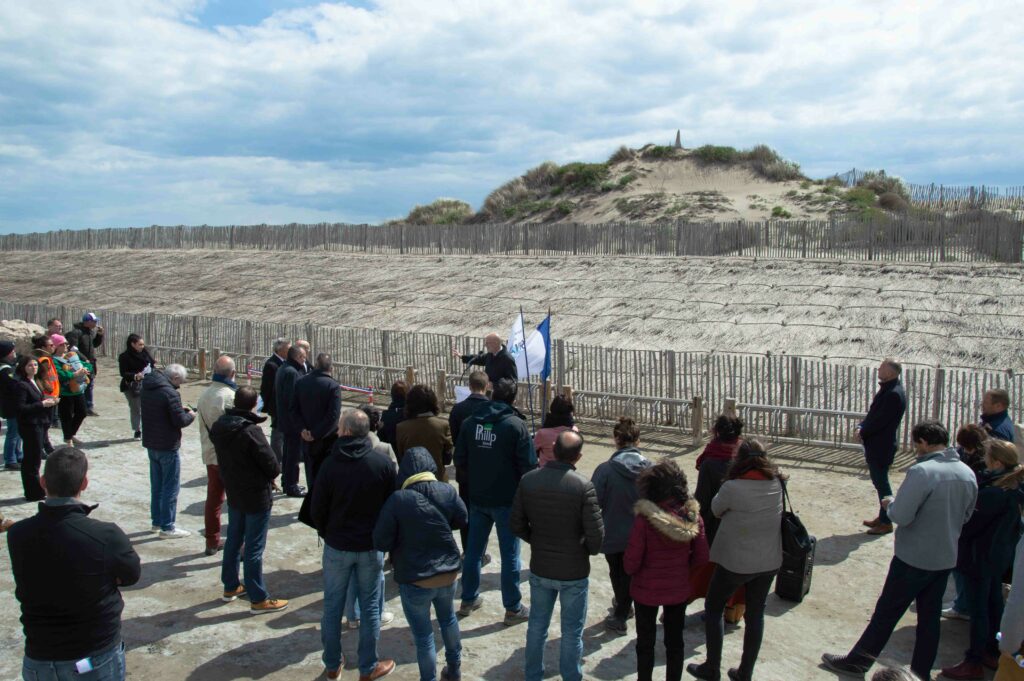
[(666, 544)]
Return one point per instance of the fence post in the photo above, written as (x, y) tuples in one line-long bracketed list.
[(560, 361), (575, 236), (940, 382), (385, 347), (792, 428), (545, 398), (202, 364), (248, 337), (442, 388), (215, 356), (729, 407), (697, 420), (871, 239), (410, 376), (310, 339), (679, 237), (151, 328), (401, 239), (526, 238), (195, 331)]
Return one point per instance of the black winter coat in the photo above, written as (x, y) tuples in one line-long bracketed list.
[(348, 493), (287, 376), (497, 366), (27, 403), (86, 341), (389, 420), (247, 462), (555, 511), (67, 568), (416, 523), (163, 416), (316, 404), (463, 410), (267, 393), (880, 428), (988, 540), (7, 379), (130, 363)]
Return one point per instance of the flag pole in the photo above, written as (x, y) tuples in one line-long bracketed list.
[(544, 402), (526, 357)]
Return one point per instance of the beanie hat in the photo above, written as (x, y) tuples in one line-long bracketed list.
[(58, 339)]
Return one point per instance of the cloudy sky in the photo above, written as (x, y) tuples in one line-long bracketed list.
[(138, 112)]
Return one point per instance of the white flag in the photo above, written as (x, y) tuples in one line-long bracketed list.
[(522, 348)]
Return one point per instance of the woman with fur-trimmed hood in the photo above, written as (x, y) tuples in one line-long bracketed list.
[(666, 543)]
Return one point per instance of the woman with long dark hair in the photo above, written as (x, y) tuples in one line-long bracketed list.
[(32, 409), (558, 419), (667, 542), (747, 552), (712, 466), (133, 364)]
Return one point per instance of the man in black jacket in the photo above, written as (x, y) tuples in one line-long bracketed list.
[(556, 512), (163, 418), (247, 468), (349, 492), (879, 431), (12, 440), (67, 569), (284, 392), (459, 413), (496, 360), (87, 335), (270, 367), (316, 409)]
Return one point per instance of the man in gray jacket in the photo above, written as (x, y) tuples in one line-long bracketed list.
[(555, 511), (935, 500)]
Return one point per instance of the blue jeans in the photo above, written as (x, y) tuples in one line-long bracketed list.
[(106, 666), (12, 443), (416, 602), (573, 596), (960, 602), (352, 599), (88, 391), (880, 480), (340, 567), (250, 529), (164, 482), (905, 584), (481, 518)]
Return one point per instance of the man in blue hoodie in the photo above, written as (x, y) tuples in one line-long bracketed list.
[(995, 417), (934, 502), (496, 450), (416, 526)]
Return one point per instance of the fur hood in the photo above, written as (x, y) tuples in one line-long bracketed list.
[(676, 528)]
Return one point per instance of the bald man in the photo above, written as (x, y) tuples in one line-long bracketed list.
[(218, 397), (496, 360)]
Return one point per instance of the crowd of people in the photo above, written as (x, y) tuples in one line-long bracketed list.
[(377, 491)]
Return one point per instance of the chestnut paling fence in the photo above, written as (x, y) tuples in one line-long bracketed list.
[(933, 237), (807, 399)]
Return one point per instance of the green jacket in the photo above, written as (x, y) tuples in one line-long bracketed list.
[(71, 385)]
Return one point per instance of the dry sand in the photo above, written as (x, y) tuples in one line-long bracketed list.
[(953, 314), (175, 626)]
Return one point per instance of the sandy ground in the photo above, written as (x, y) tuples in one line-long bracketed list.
[(956, 315), (176, 627)]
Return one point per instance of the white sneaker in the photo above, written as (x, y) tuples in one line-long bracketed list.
[(951, 614), (174, 534), (386, 618), (155, 528)]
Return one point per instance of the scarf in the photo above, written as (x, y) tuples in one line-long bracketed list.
[(718, 450), (225, 380), (425, 476)]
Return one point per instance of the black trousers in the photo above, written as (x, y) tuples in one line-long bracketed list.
[(290, 465), (647, 635), (72, 413), (32, 437), (724, 584), (317, 452), (620, 584)]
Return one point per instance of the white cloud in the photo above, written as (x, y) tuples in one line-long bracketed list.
[(342, 112)]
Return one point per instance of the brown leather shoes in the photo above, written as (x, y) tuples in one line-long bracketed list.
[(872, 523), (881, 528), (383, 668), (965, 671)]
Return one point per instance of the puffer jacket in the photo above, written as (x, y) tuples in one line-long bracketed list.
[(615, 483), (163, 417), (247, 462), (555, 511), (666, 546), (213, 402), (416, 522)]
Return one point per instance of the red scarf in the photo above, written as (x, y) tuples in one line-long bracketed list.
[(718, 450)]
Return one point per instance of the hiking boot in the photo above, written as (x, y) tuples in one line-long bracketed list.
[(334, 673), (703, 671), (965, 671), (872, 523), (469, 606), (615, 624), (881, 528), (383, 668), (174, 533), (513, 617), (237, 592), (954, 614), (842, 664), (269, 605), (449, 675)]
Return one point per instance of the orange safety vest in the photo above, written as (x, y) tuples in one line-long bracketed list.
[(47, 376)]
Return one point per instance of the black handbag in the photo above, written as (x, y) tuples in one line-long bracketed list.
[(796, 541)]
